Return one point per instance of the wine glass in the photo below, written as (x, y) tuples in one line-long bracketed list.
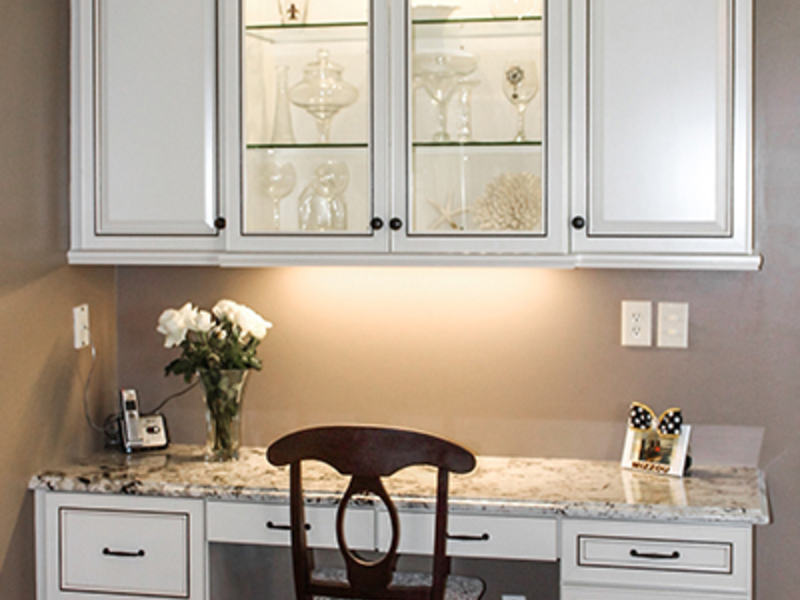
[(277, 180), (520, 85)]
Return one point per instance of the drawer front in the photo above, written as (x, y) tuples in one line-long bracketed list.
[(589, 593), (699, 557), (655, 555), (476, 535), (124, 552), (267, 524)]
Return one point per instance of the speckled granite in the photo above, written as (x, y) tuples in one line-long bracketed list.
[(499, 485)]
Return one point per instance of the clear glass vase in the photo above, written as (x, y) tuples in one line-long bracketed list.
[(223, 399)]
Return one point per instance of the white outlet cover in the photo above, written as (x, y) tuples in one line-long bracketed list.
[(673, 325), (637, 323)]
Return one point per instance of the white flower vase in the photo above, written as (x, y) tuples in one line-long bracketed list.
[(223, 399)]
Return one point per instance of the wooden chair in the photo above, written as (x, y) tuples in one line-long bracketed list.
[(367, 454)]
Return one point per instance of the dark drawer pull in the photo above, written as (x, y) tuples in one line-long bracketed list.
[(271, 525), (655, 555), (123, 553), (484, 537)]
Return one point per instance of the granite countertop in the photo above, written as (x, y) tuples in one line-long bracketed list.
[(498, 485)]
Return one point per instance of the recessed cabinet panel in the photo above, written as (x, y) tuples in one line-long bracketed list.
[(155, 122), (659, 117), (662, 126)]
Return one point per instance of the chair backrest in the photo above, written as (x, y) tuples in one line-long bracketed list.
[(367, 454)]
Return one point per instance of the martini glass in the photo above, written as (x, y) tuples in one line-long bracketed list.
[(439, 72), (520, 85)]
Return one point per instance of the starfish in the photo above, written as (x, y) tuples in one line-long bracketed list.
[(447, 213)]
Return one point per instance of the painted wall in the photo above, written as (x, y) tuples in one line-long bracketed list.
[(41, 414), (508, 361), (528, 361)]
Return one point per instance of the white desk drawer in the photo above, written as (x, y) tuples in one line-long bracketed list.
[(703, 557), (267, 524), (655, 554), (124, 552), (524, 538)]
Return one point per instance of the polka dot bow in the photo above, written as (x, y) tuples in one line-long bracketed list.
[(642, 417)]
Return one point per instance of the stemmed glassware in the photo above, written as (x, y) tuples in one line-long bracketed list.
[(439, 72), (278, 180), (520, 85)]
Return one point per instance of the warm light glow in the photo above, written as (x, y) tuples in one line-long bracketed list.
[(426, 295)]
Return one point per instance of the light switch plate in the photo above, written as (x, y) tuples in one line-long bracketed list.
[(80, 326), (673, 325), (637, 323)]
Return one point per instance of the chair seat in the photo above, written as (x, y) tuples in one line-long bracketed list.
[(458, 587)]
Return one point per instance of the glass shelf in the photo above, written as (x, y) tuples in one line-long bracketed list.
[(309, 33), (305, 146), (457, 21), (478, 144)]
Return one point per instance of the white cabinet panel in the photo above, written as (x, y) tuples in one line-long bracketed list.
[(588, 593), (156, 116), (713, 558), (124, 552), (144, 129), (662, 115), (106, 546)]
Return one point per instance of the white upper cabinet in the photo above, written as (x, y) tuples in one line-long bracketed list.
[(479, 128), (605, 133), (661, 107), (144, 122), (306, 92), (396, 130)]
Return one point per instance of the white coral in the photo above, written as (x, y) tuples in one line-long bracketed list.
[(511, 202)]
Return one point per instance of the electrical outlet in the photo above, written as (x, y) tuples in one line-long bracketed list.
[(637, 323), (673, 325), (80, 326), (512, 597)]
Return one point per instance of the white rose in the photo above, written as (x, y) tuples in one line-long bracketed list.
[(225, 309), (251, 323), (175, 323), (203, 322)]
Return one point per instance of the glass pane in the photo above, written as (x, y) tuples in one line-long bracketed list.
[(307, 99), (477, 118)]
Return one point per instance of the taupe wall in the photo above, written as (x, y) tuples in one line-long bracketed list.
[(41, 415), (510, 361), (528, 361)]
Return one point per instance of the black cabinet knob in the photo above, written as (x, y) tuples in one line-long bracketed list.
[(579, 222), (395, 223), (220, 223), (376, 223)]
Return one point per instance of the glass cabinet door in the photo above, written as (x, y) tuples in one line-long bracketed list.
[(483, 132), (308, 111)]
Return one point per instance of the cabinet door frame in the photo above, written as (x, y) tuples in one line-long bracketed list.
[(554, 241), (297, 247), (92, 228), (738, 239)]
